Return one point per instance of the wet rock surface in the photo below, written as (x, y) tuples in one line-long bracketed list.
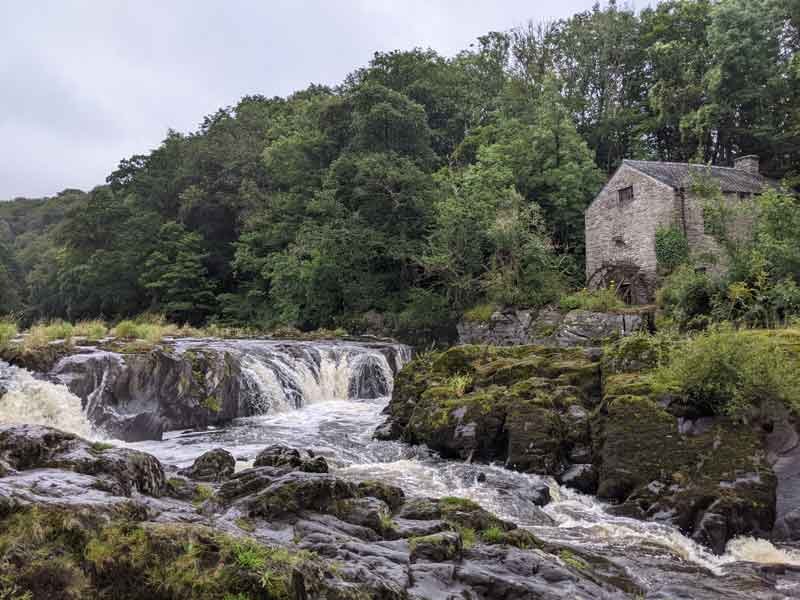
[(545, 411), (214, 465), (527, 406), (320, 536), (194, 384), (550, 327)]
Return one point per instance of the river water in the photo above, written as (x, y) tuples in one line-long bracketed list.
[(338, 426)]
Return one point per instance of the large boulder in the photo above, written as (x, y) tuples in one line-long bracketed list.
[(527, 406), (215, 465), (120, 471), (138, 396)]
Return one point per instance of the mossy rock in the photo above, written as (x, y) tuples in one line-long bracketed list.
[(38, 360), (392, 495), (438, 547), (510, 410), (715, 482), (76, 555), (637, 442)]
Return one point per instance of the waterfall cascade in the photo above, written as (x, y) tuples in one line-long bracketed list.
[(35, 401)]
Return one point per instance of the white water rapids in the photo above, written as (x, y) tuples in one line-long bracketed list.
[(315, 404)]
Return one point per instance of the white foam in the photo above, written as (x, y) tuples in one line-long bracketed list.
[(33, 401), (750, 549)]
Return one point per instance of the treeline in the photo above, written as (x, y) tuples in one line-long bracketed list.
[(419, 187)]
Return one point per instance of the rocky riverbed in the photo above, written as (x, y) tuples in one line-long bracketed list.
[(296, 498)]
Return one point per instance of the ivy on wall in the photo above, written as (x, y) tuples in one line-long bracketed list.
[(672, 248)]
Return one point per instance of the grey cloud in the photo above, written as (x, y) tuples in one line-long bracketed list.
[(84, 83)]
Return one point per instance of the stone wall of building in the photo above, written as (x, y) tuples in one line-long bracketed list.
[(704, 248), (624, 235)]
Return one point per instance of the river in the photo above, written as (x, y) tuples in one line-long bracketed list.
[(324, 416)]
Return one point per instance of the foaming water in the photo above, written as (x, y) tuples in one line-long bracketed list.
[(749, 549), (655, 555), (33, 401)]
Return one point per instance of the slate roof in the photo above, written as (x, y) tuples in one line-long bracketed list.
[(679, 175)]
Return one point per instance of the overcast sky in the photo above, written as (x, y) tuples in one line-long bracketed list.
[(86, 83)]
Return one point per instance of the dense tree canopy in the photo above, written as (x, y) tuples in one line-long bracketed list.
[(421, 186)]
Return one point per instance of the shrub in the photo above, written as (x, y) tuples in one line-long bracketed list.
[(92, 330), (640, 351), (723, 371), (600, 300), (42, 334), (8, 331), (672, 248), (482, 313), (686, 297)]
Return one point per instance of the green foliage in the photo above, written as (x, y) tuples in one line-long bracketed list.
[(424, 185), (8, 331), (93, 330), (42, 334), (640, 351), (724, 371), (599, 300), (686, 297), (481, 313), (672, 248), (759, 282), (176, 277), (493, 535), (457, 384)]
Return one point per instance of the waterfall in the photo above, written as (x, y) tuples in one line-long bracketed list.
[(279, 377), (34, 401)]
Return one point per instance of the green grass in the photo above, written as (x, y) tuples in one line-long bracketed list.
[(602, 300), (202, 493), (493, 535), (41, 334), (482, 313), (458, 384), (92, 330), (8, 331)]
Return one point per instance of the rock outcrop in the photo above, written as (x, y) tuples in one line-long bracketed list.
[(599, 427), (551, 327), (528, 406), (271, 531), (137, 393)]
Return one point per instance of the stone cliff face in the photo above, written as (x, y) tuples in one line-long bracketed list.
[(597, 426), (550, 327)]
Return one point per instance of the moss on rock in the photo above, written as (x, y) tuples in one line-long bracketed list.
[(512, 410), (53, 553)]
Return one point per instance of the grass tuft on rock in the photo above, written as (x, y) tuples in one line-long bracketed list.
[(727, 372)]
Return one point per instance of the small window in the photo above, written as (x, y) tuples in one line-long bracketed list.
[(625, 195)]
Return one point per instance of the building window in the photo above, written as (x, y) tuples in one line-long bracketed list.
[(625, 195)]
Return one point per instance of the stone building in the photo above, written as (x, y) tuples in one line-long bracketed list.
[(639, 199)]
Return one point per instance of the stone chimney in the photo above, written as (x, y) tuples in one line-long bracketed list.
[(749, 163)]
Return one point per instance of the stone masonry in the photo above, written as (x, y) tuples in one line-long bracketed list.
[(621, 229)]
